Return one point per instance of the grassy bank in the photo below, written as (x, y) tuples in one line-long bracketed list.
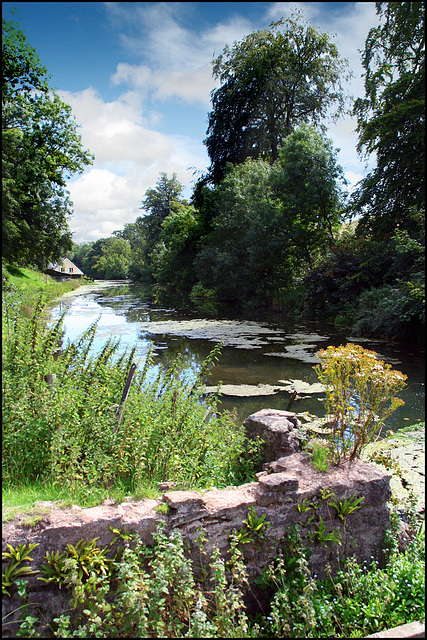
[(63, 440), (31, 284)]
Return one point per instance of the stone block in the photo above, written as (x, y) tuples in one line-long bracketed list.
[(278, 429)]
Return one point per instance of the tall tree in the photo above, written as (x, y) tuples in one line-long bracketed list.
[(271, 220), (391, 119), (271, 81), (307, 183), (158, 204), (40, 150), (243, 256)]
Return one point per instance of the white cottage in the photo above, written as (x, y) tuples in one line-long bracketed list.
[(64, 269)]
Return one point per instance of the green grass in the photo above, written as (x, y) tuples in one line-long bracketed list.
[(32, 284), (64, 443), (20, 500)]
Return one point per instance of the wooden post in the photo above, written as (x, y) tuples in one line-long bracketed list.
[(291, 401), (124, 395)]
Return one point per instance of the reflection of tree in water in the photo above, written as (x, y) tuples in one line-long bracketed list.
[(192, 355)]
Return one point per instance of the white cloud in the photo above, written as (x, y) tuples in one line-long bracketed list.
[(173, 62), (129, 158), (189, 85), (179, 57), (115, 131), (104, 202)]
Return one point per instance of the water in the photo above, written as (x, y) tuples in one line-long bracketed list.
[(267, 350)]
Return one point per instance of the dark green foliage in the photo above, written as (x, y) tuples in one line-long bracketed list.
[(105, 259), (393, 312), (232, 260), (271, 82), (391, 119), (173, 256), (377, 287), (40, 150), (270, 221)]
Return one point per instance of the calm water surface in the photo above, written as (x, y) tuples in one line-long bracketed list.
[(257, 350)]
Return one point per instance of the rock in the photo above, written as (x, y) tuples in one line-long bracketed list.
[(280, 431)]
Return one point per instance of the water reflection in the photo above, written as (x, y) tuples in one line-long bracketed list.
[(257, 349)]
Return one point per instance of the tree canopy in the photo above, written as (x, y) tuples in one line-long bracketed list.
[(272, 220), (40, 150), (271, 81), (391, 119)]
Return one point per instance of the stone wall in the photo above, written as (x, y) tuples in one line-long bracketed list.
[(284, 485)]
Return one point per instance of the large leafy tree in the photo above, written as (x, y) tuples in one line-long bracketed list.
[(391, 120), (173, 256), (272, 220), (158, 205), (240, 254), (271, 81), (307, 183), (40, 151)]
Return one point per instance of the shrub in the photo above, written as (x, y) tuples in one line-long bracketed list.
[(392, 311), (69, 430), (359, 396)]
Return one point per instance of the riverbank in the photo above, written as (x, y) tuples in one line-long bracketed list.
[(32, 283), (96, 285), (403, 455)]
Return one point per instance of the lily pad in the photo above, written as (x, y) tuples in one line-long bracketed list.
[(298, 352), (245, 390), (300, 386), (239, 334)]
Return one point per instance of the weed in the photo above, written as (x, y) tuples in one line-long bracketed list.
[(325, 536), (163, 507), (320, 454), (303, 507), (14, 569), (167, 429), (359, 397), (152, 591), (346, 507)]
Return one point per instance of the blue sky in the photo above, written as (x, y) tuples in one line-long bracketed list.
[(138, 76)]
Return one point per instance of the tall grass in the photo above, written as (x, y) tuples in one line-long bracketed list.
[(32, 284), (67, 432)]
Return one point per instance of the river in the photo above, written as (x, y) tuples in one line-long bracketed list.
[(263, 357)]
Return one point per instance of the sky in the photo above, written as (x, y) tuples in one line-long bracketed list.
[(138, 76)]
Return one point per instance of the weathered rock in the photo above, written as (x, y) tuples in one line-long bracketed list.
[(280, 431)]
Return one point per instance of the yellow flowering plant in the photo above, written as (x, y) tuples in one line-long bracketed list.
[(360, 396)]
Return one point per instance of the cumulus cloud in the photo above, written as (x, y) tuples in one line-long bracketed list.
[(129, 158), (166, 62), (180, 57), (115, 131), (103, 202)]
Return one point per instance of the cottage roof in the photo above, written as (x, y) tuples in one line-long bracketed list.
[(65, 266)]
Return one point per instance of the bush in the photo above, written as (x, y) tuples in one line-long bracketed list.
[(358, 600), (69, 429), (359, 396), (392, 312)]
